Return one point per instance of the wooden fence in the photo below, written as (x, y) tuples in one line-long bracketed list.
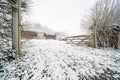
[(79, 40)]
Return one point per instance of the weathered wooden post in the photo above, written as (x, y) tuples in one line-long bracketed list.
[(94, 37), (19, 27)]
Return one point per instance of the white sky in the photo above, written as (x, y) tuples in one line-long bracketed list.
[(60, 15)]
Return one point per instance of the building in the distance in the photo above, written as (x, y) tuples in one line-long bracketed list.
[(29, 35)]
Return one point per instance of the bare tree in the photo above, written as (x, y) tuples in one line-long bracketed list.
[(103, 14)]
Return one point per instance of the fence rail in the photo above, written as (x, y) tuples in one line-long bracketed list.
[(81, 40)]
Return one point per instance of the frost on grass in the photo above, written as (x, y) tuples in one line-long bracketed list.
[(56, 60)]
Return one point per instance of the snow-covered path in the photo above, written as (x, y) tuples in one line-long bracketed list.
[(56, 60)]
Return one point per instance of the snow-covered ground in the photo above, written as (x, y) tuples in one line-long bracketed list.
[(56, 60)]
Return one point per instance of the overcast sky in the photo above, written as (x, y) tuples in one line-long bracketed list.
[(60, 15)]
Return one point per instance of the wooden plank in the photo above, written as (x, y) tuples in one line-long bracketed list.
[(78, 36)]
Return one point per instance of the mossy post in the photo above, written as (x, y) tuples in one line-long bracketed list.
[(19, 27), (93, 37)]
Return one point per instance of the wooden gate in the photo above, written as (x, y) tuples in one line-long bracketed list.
[(79, 40)]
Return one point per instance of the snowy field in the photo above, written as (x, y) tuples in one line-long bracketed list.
[(56, 60)]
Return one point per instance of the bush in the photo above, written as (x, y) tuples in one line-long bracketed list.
[(6, 52)]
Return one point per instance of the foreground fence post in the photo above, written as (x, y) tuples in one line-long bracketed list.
[(19, 27)]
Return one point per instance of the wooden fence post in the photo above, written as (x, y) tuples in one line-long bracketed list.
[(19, 27), (94, 38)]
